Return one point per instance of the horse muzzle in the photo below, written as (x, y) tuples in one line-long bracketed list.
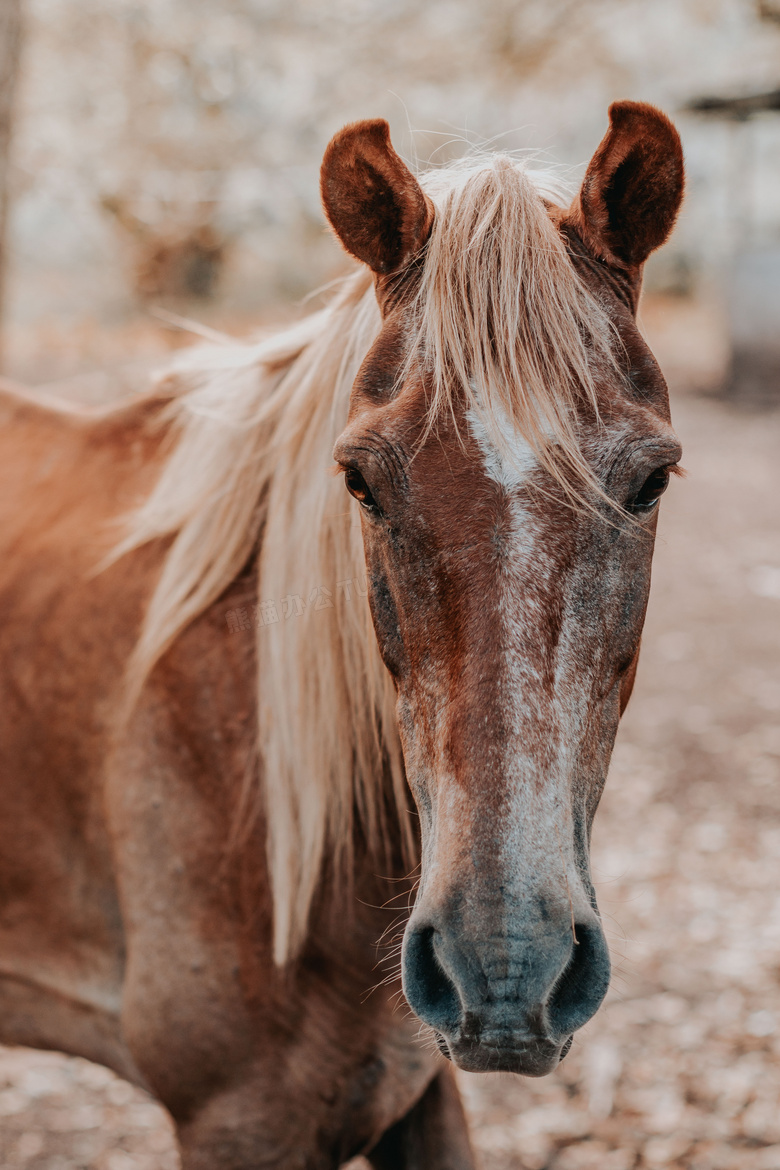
[(508, 1002)]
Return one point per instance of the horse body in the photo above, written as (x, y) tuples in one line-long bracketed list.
[(127, 936), (197, 905)]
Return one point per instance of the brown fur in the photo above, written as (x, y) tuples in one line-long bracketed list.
[(372, 199), (130, 933), (633, 186), (137, 926)]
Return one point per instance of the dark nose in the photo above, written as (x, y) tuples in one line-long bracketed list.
[(507, 1003)]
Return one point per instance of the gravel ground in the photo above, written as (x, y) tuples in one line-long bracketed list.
[(680, 1068)]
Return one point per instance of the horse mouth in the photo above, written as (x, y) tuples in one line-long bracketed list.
[(530, 1058)]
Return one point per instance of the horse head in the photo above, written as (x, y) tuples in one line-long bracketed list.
[(508, 440)]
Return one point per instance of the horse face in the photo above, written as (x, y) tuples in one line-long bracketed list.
[(510, 622)]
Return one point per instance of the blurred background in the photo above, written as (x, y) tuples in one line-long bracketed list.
[(162, 158), (166, 152)]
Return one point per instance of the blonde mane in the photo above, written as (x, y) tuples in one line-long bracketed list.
[(501, 315)]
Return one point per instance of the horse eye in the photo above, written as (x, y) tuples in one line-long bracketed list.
[(358, 488), (650, 492)]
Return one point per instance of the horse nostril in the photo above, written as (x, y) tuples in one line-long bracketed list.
[(428, 989), (582, 984)]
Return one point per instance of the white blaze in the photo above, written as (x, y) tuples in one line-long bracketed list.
[(535, 817), (511, 465)]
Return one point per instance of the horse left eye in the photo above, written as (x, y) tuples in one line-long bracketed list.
[(358, 488), (650, 492)]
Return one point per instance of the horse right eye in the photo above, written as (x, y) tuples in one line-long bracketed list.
[(359, 489), (650, 492)]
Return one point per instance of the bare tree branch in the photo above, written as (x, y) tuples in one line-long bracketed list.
[(10, 44)]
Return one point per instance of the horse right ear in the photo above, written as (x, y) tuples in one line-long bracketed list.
[(632, 188), (374, 204)]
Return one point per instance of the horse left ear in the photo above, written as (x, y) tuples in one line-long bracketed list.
[(633, 186), (375, 205)]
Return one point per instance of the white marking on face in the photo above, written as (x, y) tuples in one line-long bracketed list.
[(538, 813), (537, 835), (509, 464)]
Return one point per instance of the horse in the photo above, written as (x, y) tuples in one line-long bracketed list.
[(337, 620)]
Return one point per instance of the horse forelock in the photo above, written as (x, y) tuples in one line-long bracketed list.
[(502, 317), (498, 314)]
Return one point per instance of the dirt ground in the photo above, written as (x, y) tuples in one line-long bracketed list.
[(680, 1067)]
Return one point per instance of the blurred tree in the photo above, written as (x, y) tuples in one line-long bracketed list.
[(169, 149), (769, 10), (10, 44), (174, 259)]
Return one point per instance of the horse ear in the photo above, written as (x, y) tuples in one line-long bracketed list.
[(375, 205), (633, 186)]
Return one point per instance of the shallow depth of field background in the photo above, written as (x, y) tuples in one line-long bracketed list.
[(165, 160)]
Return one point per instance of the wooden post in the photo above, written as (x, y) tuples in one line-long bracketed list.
[(10, 46)]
